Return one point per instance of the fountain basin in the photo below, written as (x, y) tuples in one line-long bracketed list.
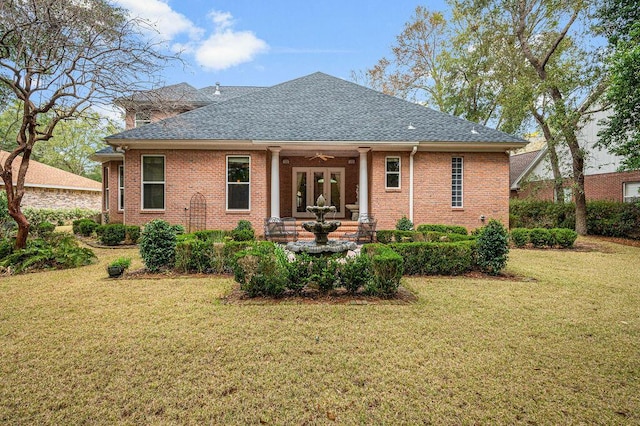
[(310, 247)]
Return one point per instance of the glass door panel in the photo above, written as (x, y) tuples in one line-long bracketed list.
[(318, 187), (336, 189), (301, 192)]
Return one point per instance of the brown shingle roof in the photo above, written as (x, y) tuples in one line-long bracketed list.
[(44, 176), (518, 164)]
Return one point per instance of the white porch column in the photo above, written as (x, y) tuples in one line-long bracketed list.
[(363, 184), (275, 181)]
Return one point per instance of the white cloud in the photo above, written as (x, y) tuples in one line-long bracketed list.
[(167, 22), (222, 49), (226, 48)]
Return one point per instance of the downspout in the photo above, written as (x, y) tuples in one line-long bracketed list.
[(413, 152)]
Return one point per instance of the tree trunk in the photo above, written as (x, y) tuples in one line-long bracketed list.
[(579, 195), (23, 228), (557, 175)]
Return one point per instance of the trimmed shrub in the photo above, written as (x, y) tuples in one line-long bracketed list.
[(243, 231), (299, 271), (387, 269), (57, 216), (493, 247), (355, 273), (158, 245), (324, 273), (194, 256), (436, 258), (563, 237), (112, 234), (84, 227), (446, 229), (262, 272), (404, 224), (212, 234), (132, 234), (520, 237), (42, 229), (540, 237), (385, 236)]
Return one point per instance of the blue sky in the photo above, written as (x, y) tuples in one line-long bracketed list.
[(262, 43)]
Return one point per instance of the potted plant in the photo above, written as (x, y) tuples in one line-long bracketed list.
[(118, 266)]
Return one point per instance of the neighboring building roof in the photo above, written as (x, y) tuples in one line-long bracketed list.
[(227, 92), (181, 93), (525, 164), (518, 163), (314, 108), (43, 176)]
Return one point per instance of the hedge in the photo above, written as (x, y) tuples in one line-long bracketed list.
[(389, 236), (387, 267), (112, 234), (447, 229), (542, 237), (436, 258), (607, 218)]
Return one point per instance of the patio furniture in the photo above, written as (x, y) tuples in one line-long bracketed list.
[(280, 230), (366, 231)]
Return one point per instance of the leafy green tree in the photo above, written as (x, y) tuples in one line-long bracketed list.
[(58, 58), (563, 72), (71, 145), (620, 22)]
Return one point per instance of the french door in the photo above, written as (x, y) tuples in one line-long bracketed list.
[(310, 182)]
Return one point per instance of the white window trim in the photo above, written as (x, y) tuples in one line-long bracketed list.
[(461, 206), (105, 188), (627, 198), (387, 172), (141, 121), (226, 183), (120, 187), (164, 183)]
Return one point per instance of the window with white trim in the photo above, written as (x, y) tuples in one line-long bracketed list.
[(392, 173), (631, 192), (105, 188), (121, 187), (456, 181), (142, 118), (153, 183), (238, 182)]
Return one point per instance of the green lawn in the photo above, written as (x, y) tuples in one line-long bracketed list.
[(561, 346)]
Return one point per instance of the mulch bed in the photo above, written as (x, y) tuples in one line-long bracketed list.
[(314, 297)]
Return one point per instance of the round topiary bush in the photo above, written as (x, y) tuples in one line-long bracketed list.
[(158, 245), (493, 247)]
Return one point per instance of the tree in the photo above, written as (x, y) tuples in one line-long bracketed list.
[(620, 22), (447, 65), (569, 78), (58, 58)]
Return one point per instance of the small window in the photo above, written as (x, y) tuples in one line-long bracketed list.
[(631, 192), (105, 188), (153, 182), (120, 187), (238, 182), (392, 173), (456, 181), (142, 118)]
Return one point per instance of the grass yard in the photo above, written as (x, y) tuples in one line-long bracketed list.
[(561, 346)]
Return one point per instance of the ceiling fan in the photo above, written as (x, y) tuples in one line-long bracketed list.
[(323, 157)]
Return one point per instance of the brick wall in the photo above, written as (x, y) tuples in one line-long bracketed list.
[(191, 171), (49, 198), (604, 186), (485, 189)]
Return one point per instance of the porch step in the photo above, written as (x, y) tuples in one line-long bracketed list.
[(347, 227)]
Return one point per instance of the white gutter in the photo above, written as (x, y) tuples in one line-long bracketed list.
[(413, 152)]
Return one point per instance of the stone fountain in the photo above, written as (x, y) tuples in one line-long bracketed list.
[(321, 228)]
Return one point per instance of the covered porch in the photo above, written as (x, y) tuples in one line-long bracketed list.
[(299, 176)]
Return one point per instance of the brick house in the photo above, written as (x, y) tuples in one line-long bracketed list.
[(531, 175), (252, 153), (52, 188)]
